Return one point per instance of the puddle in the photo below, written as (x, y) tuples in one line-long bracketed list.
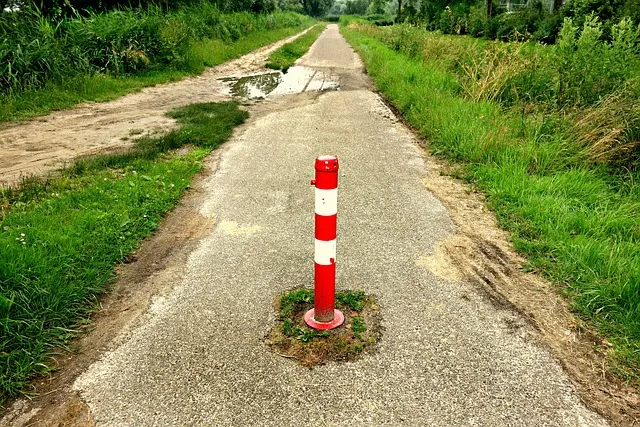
[(255, 86), (297, 80)]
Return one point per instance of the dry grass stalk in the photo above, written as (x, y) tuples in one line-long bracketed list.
[(608, 131), (488, 75)]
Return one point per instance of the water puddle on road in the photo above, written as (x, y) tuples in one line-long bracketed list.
[(297, 80), (254, 86)]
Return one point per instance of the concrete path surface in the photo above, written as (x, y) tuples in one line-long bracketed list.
[(448, 356)]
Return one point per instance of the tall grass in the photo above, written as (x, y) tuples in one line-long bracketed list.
[(577, 220), (36, 49), (39, 53), (582, 71)]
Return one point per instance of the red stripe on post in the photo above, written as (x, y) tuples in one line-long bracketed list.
[(326, 180), (326, 227), (324, 292)]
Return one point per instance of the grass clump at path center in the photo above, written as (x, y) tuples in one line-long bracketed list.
[(61, 239), (292, 337), (288, 54)]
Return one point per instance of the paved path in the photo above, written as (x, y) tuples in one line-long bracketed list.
[(448, 356)]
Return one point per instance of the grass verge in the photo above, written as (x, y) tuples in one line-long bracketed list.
[(288, 54), (61, 239), (291, 337), (104, 87), (576, 222)]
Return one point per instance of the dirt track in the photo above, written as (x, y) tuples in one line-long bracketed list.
[(49, 142)]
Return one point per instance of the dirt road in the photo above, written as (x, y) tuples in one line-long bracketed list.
[(452, 353), (49, 142)]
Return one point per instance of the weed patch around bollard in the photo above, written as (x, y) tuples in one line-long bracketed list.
[(292, 338)]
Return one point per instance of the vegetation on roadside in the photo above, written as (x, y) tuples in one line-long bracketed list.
[(505, 20), (288, 54), (293, 338), (61, 238), (551, 134), (49, 63)]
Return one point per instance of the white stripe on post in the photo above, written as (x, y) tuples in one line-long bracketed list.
[(326, 202), (325, 252)]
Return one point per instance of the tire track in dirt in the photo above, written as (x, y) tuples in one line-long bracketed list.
[(480, 253)]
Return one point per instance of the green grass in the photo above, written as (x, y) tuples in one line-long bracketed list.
[(578, 223), (60, 239), (354, 300), (101, 87), (285, 57), (358, 326)]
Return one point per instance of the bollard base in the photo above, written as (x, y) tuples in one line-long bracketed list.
[(338, 319)]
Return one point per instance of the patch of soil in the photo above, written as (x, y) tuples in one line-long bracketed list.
[(292, 338)]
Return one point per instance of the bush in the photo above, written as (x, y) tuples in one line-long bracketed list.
[(589, 68), (523, 24), (384, 22), (35, 49), (477, 21), (376, 17), (453, 20), (406, 39)]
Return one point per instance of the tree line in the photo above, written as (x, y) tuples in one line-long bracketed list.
[(500, 19), (65, 7)]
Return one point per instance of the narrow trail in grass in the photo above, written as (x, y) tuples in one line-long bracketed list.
[(451, 352), (47, 143)]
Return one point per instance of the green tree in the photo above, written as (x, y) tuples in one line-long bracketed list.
[(317, 7), (378, 6), (290, 5), (338, 7), (356, 7)]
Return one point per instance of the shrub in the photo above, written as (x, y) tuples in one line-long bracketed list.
[(477, 21), (589, 68), (406, 39), (376, 17), (453, 20), (384, 22), (522, 24), (35, 49)]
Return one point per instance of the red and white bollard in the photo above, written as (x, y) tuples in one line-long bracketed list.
[(324, 315)]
